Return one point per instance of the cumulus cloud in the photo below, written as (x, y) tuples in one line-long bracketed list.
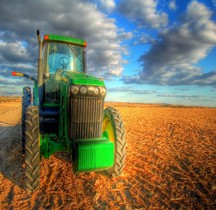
[(144, 13), (13, 52), (81, 19), (172, 5), (106, 5), (144, 38), (173, 59)]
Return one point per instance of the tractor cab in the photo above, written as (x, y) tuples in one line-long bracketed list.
[(60, 54)]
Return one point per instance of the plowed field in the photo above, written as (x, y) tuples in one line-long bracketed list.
[(171, 164)]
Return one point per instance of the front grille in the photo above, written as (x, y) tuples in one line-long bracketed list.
[(86, 115)]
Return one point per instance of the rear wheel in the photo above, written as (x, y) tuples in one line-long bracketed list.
[(32, 148), (26, 101), (113, 125)]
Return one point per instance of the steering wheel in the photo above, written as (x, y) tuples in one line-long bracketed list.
[(64, 61)]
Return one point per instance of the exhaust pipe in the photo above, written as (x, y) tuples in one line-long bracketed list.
[(40, 70)]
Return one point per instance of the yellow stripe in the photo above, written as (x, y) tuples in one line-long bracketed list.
[(64, 79), (19, 74)]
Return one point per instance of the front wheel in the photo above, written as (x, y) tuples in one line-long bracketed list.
[(32, 148), (114, 127)]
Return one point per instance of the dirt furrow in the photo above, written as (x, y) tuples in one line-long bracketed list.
[(170, 165)]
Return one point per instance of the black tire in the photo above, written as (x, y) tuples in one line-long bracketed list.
[(32, 149), (26, 101), (113, 125)]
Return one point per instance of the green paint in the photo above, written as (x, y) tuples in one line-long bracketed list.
[(93, 155), (89, 154), (35, 94), (57, 38), (78, 78), (63, 111), (48, 146), (51, 104)]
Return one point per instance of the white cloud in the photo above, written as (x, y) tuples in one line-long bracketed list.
[(173, 59), (107, 5), (172, 5), (13, 52), (68, 17), (144, 38), (144, 13)]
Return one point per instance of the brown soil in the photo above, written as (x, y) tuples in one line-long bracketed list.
[(170, 164)]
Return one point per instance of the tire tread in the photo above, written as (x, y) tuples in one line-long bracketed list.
[(120, 141), (32, 149)]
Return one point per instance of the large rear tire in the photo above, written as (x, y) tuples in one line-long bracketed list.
[(32, 148), (113, 125), (26, 101)]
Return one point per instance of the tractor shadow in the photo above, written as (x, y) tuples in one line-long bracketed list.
[(11, 158)]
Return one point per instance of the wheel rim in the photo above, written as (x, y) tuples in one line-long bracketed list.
[(108, 127)]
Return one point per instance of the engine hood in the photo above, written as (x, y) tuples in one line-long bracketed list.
[(79, 78)]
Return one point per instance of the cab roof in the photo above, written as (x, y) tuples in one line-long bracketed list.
[(59, 38)]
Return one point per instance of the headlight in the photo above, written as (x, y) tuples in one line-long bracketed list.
[(96, 90), (83, 89), (74, 89), (91, 90), (88, 90), (103, 91)]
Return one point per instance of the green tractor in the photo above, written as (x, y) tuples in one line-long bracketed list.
[(65, 113)]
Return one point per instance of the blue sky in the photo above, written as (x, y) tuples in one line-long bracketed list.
[(147, 51)]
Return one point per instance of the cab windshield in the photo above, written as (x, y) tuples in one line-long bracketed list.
[(58, 56)]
